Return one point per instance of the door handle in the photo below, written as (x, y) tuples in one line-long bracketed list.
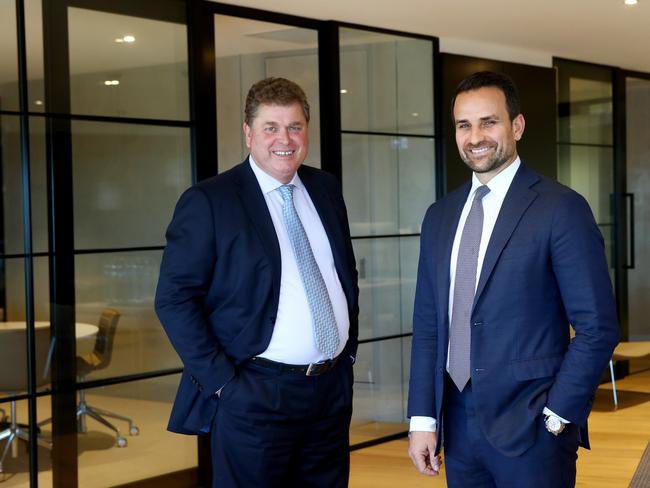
[(629, 198)]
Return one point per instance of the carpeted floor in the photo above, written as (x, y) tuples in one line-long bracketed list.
[(641, 477)]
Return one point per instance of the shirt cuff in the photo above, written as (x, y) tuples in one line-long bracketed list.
[(548, 411), (422, 424)]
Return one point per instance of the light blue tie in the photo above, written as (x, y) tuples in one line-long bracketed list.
[(322, 314)]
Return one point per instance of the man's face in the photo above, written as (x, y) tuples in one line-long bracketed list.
[(277, 140), (485, 136)]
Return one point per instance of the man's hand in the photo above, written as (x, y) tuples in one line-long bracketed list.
[(422, 448)]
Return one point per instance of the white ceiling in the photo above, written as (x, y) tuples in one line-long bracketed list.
[(598, 31)]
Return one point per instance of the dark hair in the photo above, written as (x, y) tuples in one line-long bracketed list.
[(485, 79), (274, 91)]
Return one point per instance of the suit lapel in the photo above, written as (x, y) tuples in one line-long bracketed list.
[(448, 232), (252, 199), (518, 199), (326, 208)]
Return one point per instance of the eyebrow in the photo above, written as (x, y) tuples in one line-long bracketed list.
[(482, 119)]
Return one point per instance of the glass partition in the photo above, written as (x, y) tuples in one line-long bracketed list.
[(389, 180)]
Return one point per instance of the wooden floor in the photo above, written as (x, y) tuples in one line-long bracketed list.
[(618, 439)]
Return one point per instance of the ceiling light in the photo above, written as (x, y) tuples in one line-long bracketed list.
[(344, 91), (38, 102), (415, 114), (128, 39), (631, 2), (111, 82)]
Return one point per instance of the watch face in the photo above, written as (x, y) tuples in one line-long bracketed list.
[(554, 425)]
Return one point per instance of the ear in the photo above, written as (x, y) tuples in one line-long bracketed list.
[(248, 133), (518, 126)]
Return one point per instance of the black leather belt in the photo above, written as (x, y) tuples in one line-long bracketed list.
[(313, 369)]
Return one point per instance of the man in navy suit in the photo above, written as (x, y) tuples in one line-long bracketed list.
[(496, 380), (258, 295)]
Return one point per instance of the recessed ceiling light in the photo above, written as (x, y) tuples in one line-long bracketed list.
[(111, 82), (38, 102), (128, 39), (631, 2), (343, 90), (415, 114)]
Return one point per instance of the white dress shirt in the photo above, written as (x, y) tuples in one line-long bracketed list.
[(293, 339)]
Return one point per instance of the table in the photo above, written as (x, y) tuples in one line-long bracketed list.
[(82, 330)]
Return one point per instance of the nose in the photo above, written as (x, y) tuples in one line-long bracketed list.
[(283, 134), (476, 135)]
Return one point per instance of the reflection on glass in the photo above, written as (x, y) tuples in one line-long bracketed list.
[(14, 289), (380, 386), (11, 235), (386, 83), (589, 171), (388, 183), (589, 116), (387, 272), (111, 76), (127, 179), (8, 56), (125, 282), (248, 51)]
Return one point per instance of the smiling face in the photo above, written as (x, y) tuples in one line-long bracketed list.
[(277, 140), (485, 135)]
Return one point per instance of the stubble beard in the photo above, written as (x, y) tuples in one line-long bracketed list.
[(495, 162)]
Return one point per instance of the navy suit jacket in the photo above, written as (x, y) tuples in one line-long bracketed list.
[(544, 269), (219, 284)]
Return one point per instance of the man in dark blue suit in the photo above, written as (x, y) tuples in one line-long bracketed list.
[(508, 263), (258, 295)]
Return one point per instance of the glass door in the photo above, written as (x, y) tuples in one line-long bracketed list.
[(637, 113)]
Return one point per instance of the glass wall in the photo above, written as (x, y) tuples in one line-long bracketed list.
[(585, 140), (388, 169), (123, 101), (637, 95)]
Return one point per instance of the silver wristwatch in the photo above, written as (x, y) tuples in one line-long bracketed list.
[(553, 424)]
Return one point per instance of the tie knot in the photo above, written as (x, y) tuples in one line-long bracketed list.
[(481, 191), (287, 192)]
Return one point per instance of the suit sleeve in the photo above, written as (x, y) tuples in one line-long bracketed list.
[(581, 270), (425, 332), (186, 274)]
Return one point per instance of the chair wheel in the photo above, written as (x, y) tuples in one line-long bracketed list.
[(121, 441), (134, 430)]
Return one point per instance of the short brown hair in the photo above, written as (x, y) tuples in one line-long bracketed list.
[(491, 79), (274, 91)]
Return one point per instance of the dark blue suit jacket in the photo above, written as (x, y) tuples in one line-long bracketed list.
[(219, 285), (544, 269)]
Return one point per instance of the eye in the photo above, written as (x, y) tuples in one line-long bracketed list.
[(489, 123), (295, 128), (462, 125), (270, 129)]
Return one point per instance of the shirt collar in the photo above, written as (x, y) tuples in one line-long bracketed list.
[(267, 182), (500, 184)]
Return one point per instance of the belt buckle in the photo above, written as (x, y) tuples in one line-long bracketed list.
[(313, 369)]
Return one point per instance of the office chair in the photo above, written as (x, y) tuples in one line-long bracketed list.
[(100, 358), (625, 351), (13, 379)]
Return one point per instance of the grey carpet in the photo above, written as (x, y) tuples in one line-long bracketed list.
[(641, 478)]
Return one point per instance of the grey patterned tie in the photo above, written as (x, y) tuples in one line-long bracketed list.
[(464, 290), (322, 314)]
